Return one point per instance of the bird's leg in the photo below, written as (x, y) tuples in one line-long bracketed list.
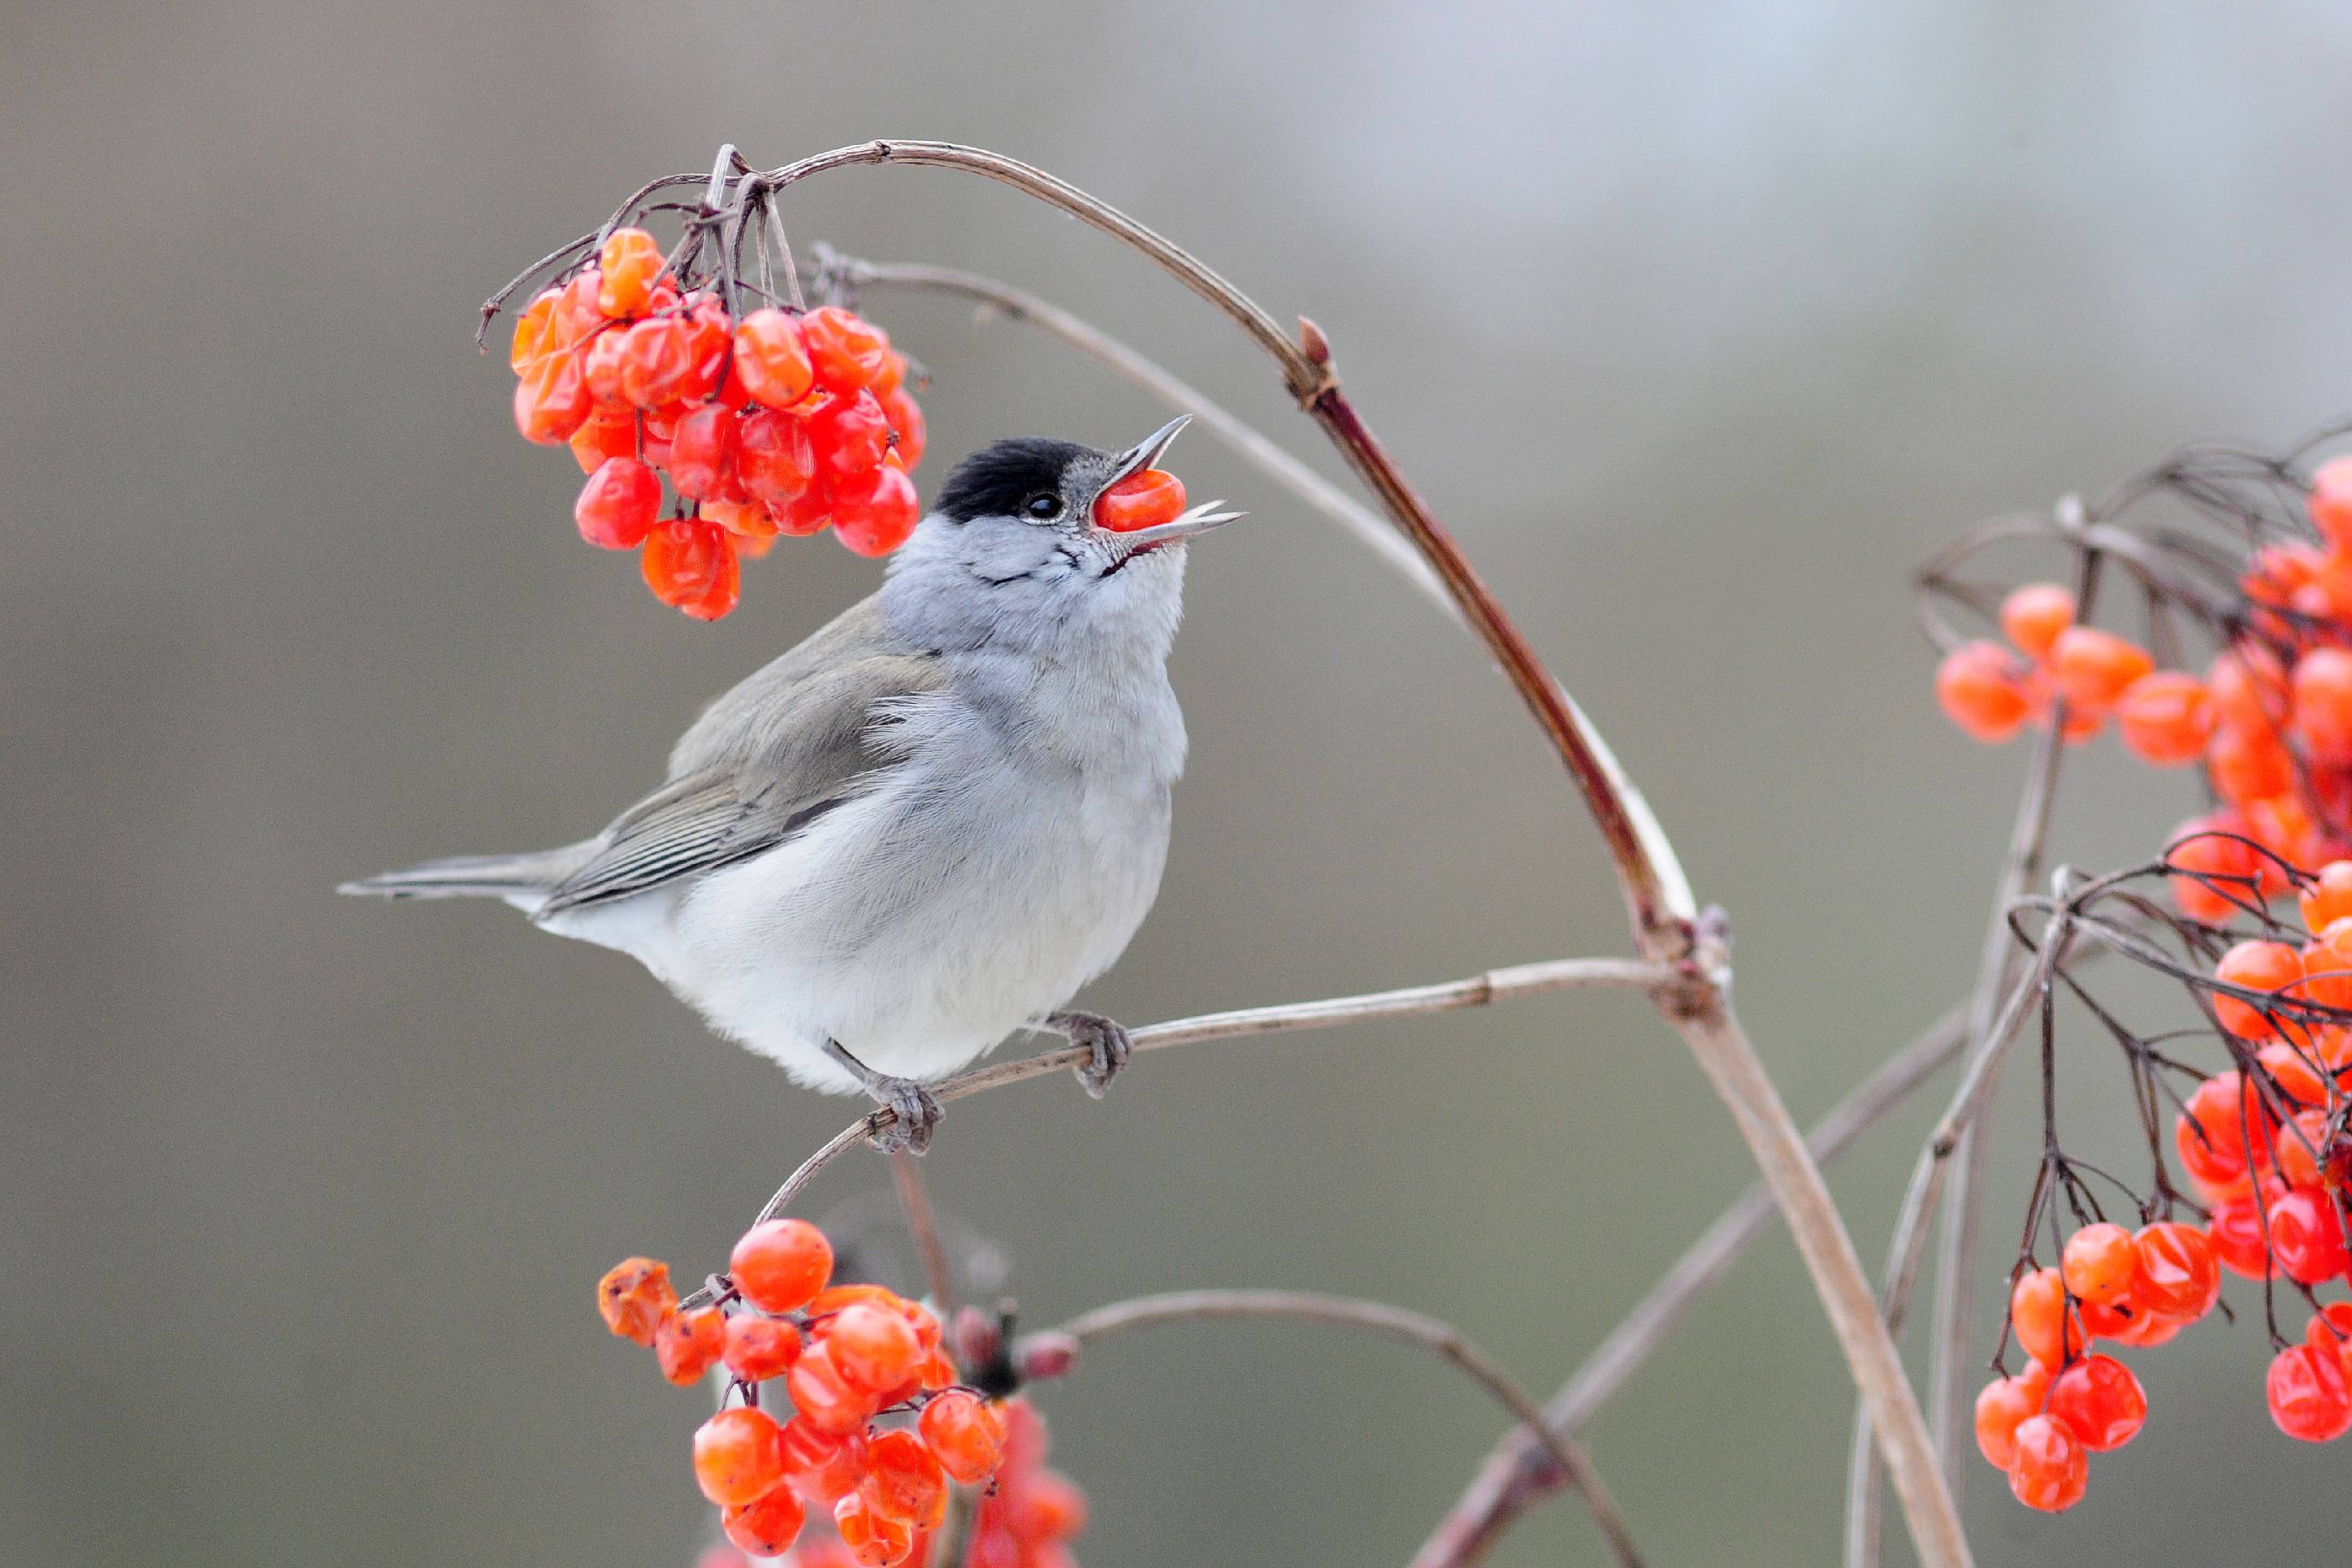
[(916, 1108), (1105, 1037)]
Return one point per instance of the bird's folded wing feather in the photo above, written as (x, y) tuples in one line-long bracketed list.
[(807, 733)]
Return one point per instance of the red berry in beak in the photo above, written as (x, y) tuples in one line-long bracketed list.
[(1143, 500)]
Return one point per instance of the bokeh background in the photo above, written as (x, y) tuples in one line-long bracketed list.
[(1701, 323)]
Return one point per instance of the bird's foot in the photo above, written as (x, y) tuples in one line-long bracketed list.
[(916, 1108), (1105, 1039)]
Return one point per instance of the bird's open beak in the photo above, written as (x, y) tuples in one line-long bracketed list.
[(1146, 454)]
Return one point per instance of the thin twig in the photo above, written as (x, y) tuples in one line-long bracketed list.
[(907, 1173), (1476, 991), (1517, 1475), (1397, 1323)]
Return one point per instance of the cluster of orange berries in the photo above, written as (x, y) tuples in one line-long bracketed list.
[(2270, 719), (778, 424), (878, 1426)]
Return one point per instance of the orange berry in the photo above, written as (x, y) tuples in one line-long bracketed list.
[(2308, 1236), (702, 451), (875, 1541), (604, 437), (1981, 689), (773, 456), (2328, 899), (2098, 1264), (551, 401), (656, 360), (2247, 765), (690, 563), (2331, 503), (2207, 1134), (1140, 501), (739, 1457), (2166, 719), (849, 433), (822, 1466), (873, 513), (766, 1528), (628, 263), (2323, 704), (618, 504), (2000, 1406), (904, 1479), (531, 329), (2279, 574), (2268, 966), (634, 1296), (872, 1346), (965, 1434), (1046, 1506), (2033, 617), (848, 352), (2048, 1467), (688, 1344), (2330, 1331), (761, 1348), (708, 339), (780, 1264), (2094, 667), (2174, 1275), (2309, 1395), (907, 427), (772, 358), (2099, 1401), (2208, 847), (2047, 1329), (825, 1398)]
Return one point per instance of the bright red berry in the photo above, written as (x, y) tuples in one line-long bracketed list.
[(875, 513), (618, 504), (825, 1398), (1046, 1506), (761, 1348), (2323, 704), (2165, 717), (688, 1345), (702, 450), (872, 1347), (824, 1466), (2100, 1400), (2099, 1262), (2094, 667), (551, 400), (628, 263), (739, 1457), (904, 1479), (2033, 617), (774, 456), (2174, 1275), (771, 360), (2213, 846), (1143, 500), (2253, 967), (690, 563), (849, 433), (2048, 1468), (2330, 1332), (1981, 689), (2309, 1396), (848, 352), (2000, 1406), (766, 1528), (907, 426), (874, 1540), (2236, 1232), (656, 360), (780, 1264), (2049, 1329), (965, 1434), (2249, 765), (2308, 1236)]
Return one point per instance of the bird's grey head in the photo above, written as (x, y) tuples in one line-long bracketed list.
[(1010, 555)]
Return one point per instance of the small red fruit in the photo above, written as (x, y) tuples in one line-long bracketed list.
[(701, 450), (1980, 689), (2174, 1275), (2049, 1468), (657, 361), (2098, 1263), (2049, 1329), (739, 1457), (628, 263), (965, 1434), (2033, 617), (825, 1398), (2205, 847), (872, 1347), (780, 1264), (771, 360), (907, 426), (761, 1348), (903, 1478), (618, 504), (2094, 667), (824, 1466), (849, 433), (766, 1528), (690, 563), (2253, 967), (2323, 704), (2249, 765), (634, 1296), (848, 352), (1143, 500), (874, 1540), (551, 400), (688, 1345), (2100, 1400), (2166, 719), (2309, 1396), (2000, 1406), (2236, 1232), (875, 513), (775, 458), (2308, 1236)]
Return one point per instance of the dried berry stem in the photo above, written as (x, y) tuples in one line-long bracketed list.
[(1518, 1474), (939, 1275), (1397, 1323)]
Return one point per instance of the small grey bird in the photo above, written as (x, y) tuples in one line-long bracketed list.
[(929, 825)]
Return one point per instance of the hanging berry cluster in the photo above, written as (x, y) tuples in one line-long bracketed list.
[(877, 1429), (779, 421), (2266, 1144)]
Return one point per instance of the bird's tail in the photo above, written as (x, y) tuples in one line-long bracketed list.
[(515, 877)]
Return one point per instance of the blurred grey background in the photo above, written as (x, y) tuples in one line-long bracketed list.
[(1701, 323)]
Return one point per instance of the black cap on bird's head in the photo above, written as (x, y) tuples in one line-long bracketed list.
[(1036, 478)]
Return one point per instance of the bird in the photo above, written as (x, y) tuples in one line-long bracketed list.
[(926, 826)]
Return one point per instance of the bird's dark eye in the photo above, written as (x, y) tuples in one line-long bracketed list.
[(1044, 506)]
